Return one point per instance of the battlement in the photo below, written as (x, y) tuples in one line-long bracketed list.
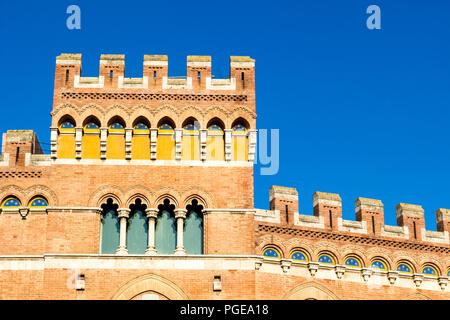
[(369, 217), (68, 74), (17, 145)]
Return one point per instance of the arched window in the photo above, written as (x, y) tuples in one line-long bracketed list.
[(430, 270), (326, 258), (299, 255), (115, 146), (140, 145), (137, 228), (11, 203), (215, 144), (67, 126), (165, 231), (193, 229), (66, 138), (165, 149), (190, 149), (110, 227), (405, 268), (90, 143), (240, 140), (271, 253), (38, 202), (448, 273), (352, 262), (378, 264)]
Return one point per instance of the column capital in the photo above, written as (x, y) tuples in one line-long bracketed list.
[(123, 212), (151, 212), (180, 213)]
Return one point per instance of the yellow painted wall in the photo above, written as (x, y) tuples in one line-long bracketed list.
[(90, 146), (215, 148), (240, 148), (165, 148), (115, 146), (140, 147), (66, 146), (190, 148)]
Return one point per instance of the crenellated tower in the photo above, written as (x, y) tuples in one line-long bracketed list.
[(191, 118)]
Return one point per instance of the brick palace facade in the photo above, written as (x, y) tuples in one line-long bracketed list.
[(147, 193)]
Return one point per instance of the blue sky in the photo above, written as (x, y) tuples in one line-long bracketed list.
[(361, 112)]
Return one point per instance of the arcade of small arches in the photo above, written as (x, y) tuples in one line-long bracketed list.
[(376, 264), (142, 230), (142, 142)]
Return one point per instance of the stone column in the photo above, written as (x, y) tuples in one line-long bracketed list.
[(124, 213), (54, 142), (78, 139), (128, 140), (152, 215), (178, 134), (228, 141), (153, 140), (180, 215), (251, 144), (203, 137), (103, 140)]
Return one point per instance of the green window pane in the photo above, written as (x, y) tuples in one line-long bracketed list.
[(110, 232), (137, 233), (193, 233), (165, 233)]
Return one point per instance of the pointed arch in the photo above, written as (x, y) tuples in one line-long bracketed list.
[(416, 296), (115, 142), (165, 230), (120, 111), (66, 137), (192, 112), (90, 141), (106, 191), (239, 149), (169, 112), (110, 229), (62, 110), (140, 141), (92, 110), (137, 227), (165, 147), (150, 282), (310, 290), (193, 228), (215, 143), (190, 142)]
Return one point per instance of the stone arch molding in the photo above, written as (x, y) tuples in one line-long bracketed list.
[(150, 282), (310, 290), (416, 296)]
